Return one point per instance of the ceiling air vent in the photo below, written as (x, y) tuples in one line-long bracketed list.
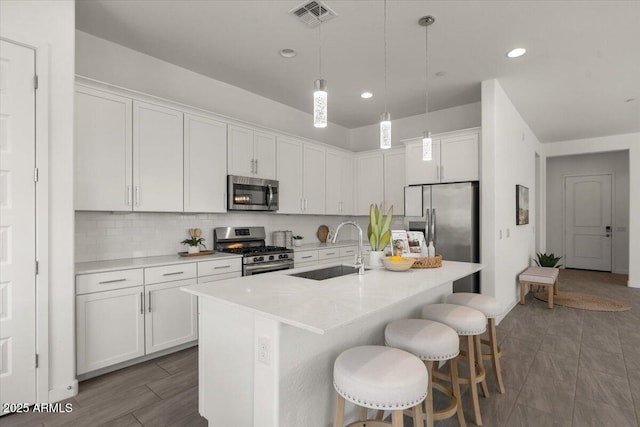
[(312, 13)]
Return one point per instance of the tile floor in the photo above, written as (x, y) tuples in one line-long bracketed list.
[(561, 367)]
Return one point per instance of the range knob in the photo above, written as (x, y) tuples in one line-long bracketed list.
[(283, 256), (271, 258), (261, 258), (256, 259)]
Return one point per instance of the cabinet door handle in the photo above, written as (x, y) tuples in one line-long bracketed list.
[(221, 266), (301, 205), (442, 172), (137, 195), (141, 302), (305, 257), (104, 282), (253, 166), (330, 253), (129, 195), (149, 301), (256, 166), (174, 273), (438, 172)]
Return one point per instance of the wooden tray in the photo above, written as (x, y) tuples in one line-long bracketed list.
[(201, 253), (428, 262)]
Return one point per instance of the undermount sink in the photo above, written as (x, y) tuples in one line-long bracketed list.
[(327, 272)]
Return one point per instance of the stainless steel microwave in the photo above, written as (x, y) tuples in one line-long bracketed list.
[(251, 194)]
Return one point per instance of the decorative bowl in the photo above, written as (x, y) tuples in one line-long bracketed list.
[(396, 263)]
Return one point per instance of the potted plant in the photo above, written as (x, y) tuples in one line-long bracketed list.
[(547, 260), (378, 233), (195, 241), (297, 240)]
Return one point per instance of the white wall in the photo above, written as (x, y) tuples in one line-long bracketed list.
[(449, 119), (106, 235), (51, 24), (111, 63), (508, 158), (615, 163), (630, 142)]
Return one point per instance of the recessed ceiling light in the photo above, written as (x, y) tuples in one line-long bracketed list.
[(515, 53), (366, 95), (288, 53)]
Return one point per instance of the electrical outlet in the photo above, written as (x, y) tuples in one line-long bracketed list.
[(264, 349)]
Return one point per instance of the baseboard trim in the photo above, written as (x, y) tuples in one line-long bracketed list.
[(633, 284), (510, 307), (64, 392)]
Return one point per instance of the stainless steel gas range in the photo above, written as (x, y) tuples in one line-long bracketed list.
[(256, 256)]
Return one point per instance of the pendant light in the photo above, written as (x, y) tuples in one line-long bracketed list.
[(385, 118), (320, 90), (427, 144)]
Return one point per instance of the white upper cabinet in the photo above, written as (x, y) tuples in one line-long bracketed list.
[(369, 181), (394, 180), (339, 183), (205, 164), (313, 179), (289, 174), (251, 153), (455, 158), (157, 158), (103, 151)]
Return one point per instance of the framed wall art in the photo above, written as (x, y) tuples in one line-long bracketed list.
[(522, 205)]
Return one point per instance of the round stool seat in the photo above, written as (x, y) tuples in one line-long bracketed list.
[(380, 377), (489, 306), (464, 320), (429, 340)]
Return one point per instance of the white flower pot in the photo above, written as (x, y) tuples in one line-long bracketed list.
[(375, 258), (297, 242), (193, 249)]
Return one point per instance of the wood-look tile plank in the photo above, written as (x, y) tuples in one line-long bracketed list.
[(174, 384), (169, 410), (525, 416), (108, 409), (609, 342), (602, 387), (96, 389), (597, 414), (548, 395), (192, 420), (125, 421), (603, 361), (566, 346), (184, 360), (554, 366)]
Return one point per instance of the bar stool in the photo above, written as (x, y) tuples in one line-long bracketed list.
[(491, 308), (382, 378), (470, 323), (431, 342)]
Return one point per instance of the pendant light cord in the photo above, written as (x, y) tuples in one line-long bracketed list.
[(320, 47), (426, 68), (385, 55)]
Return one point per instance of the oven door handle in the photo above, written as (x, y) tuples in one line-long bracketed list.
[(260, 268), (270, 188)]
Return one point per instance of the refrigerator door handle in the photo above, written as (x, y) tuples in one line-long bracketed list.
[(433, 225), (428, 230)]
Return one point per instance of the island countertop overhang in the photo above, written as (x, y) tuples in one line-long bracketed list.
[(322, 306)]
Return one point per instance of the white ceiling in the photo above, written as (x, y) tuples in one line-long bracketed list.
[(582, 61)]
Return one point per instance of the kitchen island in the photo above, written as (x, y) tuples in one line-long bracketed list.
[(268, 342)]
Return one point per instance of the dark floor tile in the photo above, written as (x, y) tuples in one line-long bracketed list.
[(588, 413), (631, 358), (125, 421), (609, 342), (169, 410), (566, 328), (192, 420), (549, 395), (525, 416), (554, 366), (602, 361), (565, 346), (601, 387), (174, 384), (184, 360)]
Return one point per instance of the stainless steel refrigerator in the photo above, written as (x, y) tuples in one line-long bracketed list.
[(449, 215)]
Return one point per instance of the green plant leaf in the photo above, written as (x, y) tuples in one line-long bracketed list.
[(384, 240)]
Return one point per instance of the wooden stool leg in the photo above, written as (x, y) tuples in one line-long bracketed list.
[(338, 420), (523, 288), (555, 287), (550, 304), (471, 358), (428, 402), (495, 353), (379, 415), (455, 385), (397, 419), (418, 420), (480, 363), (363, 413)]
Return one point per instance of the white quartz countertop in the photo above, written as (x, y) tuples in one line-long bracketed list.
[(320, 245), (321, 306), (154, 261)]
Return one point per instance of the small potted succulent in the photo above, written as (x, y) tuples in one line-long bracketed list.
[(195, 241), (378, 233), (297, 240)]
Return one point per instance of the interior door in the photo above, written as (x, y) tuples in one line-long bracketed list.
[(17, 225), (588, 222)]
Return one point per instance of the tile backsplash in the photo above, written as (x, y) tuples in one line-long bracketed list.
[(116, 235)]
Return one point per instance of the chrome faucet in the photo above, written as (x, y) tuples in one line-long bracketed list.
[(359, 264)]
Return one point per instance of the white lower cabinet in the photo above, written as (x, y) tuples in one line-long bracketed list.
[(170, 316), (109, 328)]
